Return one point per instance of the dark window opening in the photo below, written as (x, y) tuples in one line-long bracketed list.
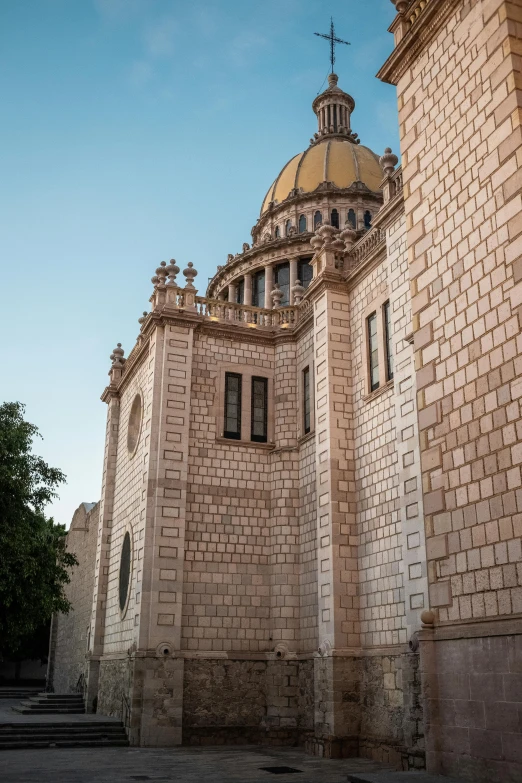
[(352, 219), (259, 419), (277, 232), (240, 291), (302, 224), (305, 272), (334, 219), (335, 117), (306, 399), (288, 226), (232, 406), (367, 219), (282, 278), (373, 351), (125, 563), (318, 219), (388, 343), (258, 289)]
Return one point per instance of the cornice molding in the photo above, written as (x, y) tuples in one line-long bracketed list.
[(417, 37)]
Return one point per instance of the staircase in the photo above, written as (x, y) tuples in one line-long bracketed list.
[(52, 704), (18, 692), (87, 734)]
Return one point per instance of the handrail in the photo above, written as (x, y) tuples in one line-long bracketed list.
[(125, 711), (81, 685)]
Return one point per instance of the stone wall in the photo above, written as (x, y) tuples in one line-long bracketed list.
[(70, 632), (473, 689), (113, 684), (247, 701), (458, 74)]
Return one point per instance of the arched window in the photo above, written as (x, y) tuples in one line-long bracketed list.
[(302, 224), (352, 220), (367, 219), (277, 232), (318, 219), (288, 226), (334, 219)]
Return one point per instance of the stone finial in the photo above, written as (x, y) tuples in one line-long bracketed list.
[(349, 237), (400, 5), (161, 274), (298, 292), (276, 296), (388, 162), (172, 270), (316, 242), (190, 273), (141, 320), (230, 258), (117, 356), (332, 79), (246, 247), (427, 618), (327, 234)]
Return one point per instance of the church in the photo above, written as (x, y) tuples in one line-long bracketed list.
[(309, 530)]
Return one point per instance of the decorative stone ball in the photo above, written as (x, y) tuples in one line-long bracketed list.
[(427, 617)]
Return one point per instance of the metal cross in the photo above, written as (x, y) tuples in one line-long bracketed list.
[(333, 40)]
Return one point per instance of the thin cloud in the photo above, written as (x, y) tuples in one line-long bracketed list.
[(160, 37), (140, 73)]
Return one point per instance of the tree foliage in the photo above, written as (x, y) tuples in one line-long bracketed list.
[(34, 562)]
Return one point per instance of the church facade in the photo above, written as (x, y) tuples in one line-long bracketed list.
[(310, 522)]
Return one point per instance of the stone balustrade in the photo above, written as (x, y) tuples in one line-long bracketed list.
[(374, 239)]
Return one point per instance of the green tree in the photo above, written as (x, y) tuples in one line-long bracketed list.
[(34, 561)]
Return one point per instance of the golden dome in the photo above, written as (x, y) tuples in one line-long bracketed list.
[(334, 160)]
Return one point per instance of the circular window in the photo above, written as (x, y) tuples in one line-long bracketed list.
[(125, 564), (133, 430)]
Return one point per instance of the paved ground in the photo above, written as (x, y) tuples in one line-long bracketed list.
[(191, 765), (8, 716)]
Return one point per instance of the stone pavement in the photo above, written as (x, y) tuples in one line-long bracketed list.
[(192, 765)]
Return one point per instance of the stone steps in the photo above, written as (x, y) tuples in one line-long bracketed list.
[(62, 735), (18, 693), (52, 704)]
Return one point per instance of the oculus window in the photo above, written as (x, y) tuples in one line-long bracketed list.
[(125, 565), (134, 426)]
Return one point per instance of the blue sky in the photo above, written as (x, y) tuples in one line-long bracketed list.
[(135, 131)]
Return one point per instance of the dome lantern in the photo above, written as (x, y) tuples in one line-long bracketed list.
[(334, 108)]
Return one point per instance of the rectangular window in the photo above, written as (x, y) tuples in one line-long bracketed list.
[(305, 272), (258, 289), (259, 422), (282, 278), (388, 341), (306, 399), (373, 351), (232, 405), (240, 291)]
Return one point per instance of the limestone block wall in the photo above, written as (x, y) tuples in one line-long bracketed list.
[(226, 592), (376, 477), (129, 513), (71, 631), (461, 144)]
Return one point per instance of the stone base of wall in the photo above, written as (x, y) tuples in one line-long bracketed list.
[(332, 747), (241, 735), (472, 692)]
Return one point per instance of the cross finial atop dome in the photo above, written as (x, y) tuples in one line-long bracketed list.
[(333, 40)]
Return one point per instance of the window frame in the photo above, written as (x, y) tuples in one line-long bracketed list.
[(377, 306), (388, 344), (307, 400), (229, 434), (302, 219), (264, 437), (373, 350), (247, 371)]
